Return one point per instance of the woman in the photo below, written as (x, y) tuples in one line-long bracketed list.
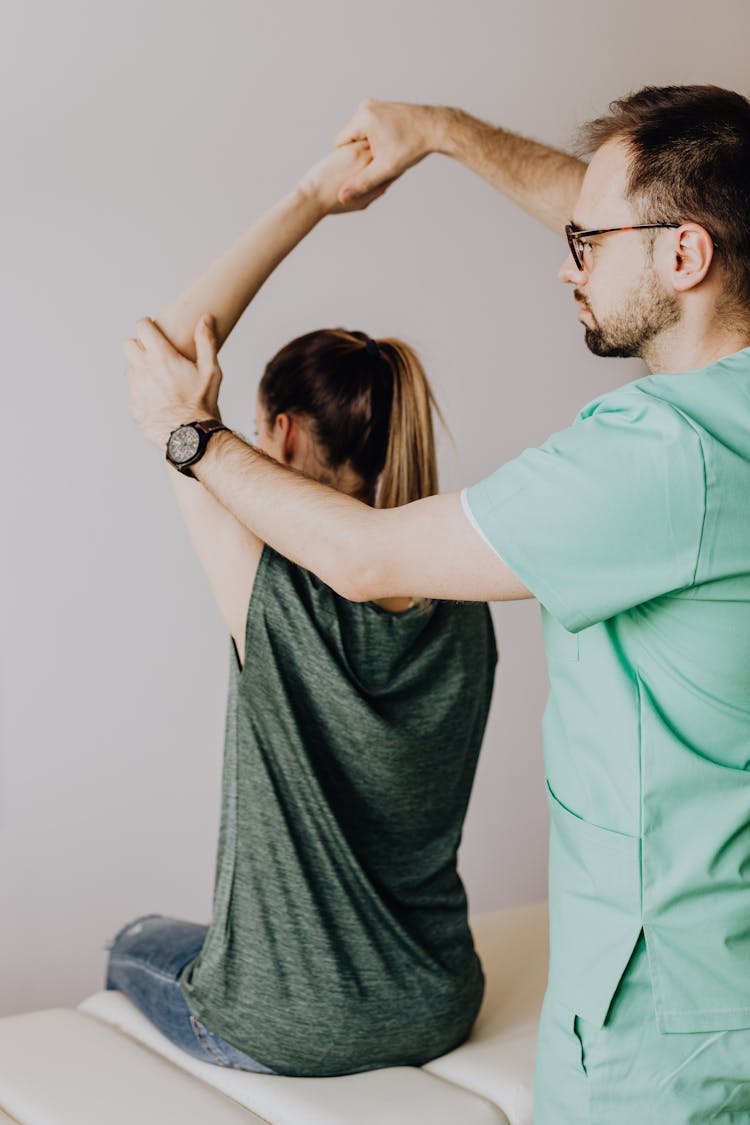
[(339, 940)]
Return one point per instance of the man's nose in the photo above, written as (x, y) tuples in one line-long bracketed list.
[(569, 272)]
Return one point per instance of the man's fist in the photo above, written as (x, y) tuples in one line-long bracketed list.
[(323, 182), (399, 135)]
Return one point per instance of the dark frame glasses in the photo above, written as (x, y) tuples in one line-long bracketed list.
[(574, 236)]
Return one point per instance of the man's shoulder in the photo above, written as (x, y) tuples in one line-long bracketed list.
[(638, 407)]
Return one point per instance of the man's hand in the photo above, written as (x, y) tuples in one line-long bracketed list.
[(544, 181), (166, 390), (398, 134), (323, 182)]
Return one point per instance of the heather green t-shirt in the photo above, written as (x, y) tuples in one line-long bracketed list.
[(339, 940)]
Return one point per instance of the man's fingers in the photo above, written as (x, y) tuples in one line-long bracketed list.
[(383, 188), (133, 351), (357, 186), (356, 129), (205, 343), (151, 336), (350, 132)]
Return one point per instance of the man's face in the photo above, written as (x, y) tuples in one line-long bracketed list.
[(623, 301)]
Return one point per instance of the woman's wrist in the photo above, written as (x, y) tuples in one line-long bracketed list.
[(306, 199)]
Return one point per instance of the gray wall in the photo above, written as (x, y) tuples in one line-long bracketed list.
[(137, 141)]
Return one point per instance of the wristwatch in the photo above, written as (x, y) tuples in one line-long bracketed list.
[(187, 444)]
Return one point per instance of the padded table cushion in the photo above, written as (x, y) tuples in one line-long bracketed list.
[(68, 1068), (101, 1063), (394, 1094), (62, 1067), (496, 1063), (498, 1059)]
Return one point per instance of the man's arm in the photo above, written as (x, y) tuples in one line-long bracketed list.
[(428, 548), (424, 549), (544, 181)]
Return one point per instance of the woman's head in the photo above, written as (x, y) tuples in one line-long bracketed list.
[(353, 412)]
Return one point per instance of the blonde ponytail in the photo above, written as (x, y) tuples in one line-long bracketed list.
[(370, 407), (410, 470)]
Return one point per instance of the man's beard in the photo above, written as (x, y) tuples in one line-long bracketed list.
[(646, 312)]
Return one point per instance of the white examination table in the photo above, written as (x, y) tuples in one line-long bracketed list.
[(104, 1064)]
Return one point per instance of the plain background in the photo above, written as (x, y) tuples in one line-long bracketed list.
[(137, 141)]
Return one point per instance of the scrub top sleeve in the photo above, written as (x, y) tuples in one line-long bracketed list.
[(604, 515)]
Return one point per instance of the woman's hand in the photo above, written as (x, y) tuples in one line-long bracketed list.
[(324, 180), (168, 390)]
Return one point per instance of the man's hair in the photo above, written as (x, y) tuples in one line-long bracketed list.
[(689, 149)]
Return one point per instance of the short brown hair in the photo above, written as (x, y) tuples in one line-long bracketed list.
[(689, 152)]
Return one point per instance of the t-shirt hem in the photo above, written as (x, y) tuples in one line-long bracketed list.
[(288, 1066)]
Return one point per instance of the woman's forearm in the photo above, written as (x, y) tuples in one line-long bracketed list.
[(229, 284), (225, 289)]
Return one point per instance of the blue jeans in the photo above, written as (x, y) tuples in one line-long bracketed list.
[(145, 962)]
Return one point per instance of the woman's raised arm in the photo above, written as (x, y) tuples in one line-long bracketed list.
[(228, 286), (229, 552)]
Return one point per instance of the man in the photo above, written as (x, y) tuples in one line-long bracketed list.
[(631, 529)]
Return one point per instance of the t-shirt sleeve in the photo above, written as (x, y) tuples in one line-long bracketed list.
[(604, 515)]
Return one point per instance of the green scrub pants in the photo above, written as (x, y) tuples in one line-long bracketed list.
[(628, 1073)]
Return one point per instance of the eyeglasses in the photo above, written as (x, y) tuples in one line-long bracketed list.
[(578, 246)]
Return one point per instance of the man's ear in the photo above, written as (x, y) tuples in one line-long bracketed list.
[(693, 256)]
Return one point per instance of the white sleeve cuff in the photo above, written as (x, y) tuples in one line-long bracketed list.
[(470, 516)]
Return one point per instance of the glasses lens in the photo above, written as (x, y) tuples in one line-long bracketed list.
[(576, 248)]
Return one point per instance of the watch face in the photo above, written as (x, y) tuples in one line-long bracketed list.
[(183, 444)]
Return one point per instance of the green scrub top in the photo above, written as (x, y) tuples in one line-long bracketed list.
[(631, 528)]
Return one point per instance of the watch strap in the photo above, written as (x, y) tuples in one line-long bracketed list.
[(209, 426)]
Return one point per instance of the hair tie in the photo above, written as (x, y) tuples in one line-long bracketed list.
[(372, 348)]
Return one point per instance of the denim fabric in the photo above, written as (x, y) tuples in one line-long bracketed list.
[(145, 962)]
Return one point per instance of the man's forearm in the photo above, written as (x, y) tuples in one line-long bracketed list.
[(316, 526), (544, 181), (426, 548)]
